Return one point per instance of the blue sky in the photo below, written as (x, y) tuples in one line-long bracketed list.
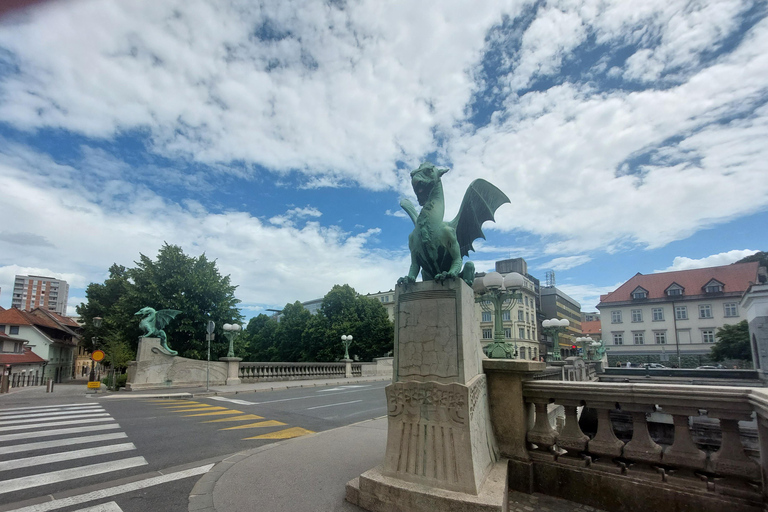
[(277, 137)]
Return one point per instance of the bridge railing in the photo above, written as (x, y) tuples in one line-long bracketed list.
[(262, 372), (657, 463)]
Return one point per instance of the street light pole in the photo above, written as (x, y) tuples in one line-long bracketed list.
[(231, 331), (492, 292), (553, 327), (346, 340)]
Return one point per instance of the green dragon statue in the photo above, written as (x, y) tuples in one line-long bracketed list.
[(437, 247), (153, 322)]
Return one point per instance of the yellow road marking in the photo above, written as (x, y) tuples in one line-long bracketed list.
[(191, 404), (284, 434), (268, 423), (199, 409), (246, 417), (217, 413)]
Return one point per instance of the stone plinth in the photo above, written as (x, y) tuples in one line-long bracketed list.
[(440, 444), (233, 369), (155, 368)]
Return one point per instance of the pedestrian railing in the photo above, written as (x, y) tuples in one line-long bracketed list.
[(261, 372), (708, 477)]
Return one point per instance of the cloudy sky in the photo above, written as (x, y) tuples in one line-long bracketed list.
[(277, 136)]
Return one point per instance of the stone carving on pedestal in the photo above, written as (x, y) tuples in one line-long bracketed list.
[(440, 446)]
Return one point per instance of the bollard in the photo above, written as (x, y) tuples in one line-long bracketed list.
[(49, 386)]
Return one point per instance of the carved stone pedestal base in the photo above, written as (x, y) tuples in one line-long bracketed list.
[(377, 492)]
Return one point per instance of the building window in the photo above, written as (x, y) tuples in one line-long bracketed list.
[(731, 309), (713, 288), (708, 335), (658, 314), (616, 317), (674, 291), (527, 318), (705, 311), (506, 316), (520, 314), (637, 315), (2, 328), (487, 334), (486, 316), (526, 300), (660, 337), (521, 333), (681, 312), (638, 338), (528, 331), (639, 294), (14, 329), (618, 338), (508, 332)]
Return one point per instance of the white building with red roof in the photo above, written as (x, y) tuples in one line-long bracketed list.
[(18, 363), (673, 316), (52, 337)]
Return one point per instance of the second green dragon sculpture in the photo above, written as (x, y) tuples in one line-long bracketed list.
[(437, 247)]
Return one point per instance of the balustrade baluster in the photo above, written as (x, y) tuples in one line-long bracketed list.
[(683, 451), (642, 447), (730, 459), (605, 443), (571, 438), (542, 434)]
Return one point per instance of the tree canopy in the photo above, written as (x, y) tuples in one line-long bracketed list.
[(301, 336), (732, 343), (174, 280)]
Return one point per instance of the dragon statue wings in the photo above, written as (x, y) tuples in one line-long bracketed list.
[(153, 323), (437, 247)]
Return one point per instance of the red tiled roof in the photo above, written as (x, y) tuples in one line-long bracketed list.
[(735, 278), (14, 316), (592, 327), (26, 357), (37, 317)]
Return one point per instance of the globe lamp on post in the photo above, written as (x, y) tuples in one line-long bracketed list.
[(499, 293), (553, 327), (231, 331), (347, 341)]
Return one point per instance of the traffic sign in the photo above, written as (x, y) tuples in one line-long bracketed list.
[(98, 355), (94, 384), (211, 327)]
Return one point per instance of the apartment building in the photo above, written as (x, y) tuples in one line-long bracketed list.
[(49, 293), (673, 316)]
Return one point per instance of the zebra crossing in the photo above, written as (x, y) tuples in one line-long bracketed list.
[(44, 445)]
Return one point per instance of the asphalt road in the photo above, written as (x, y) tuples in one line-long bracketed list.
[(177, 439)]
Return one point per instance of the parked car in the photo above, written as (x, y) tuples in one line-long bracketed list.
[(653, 365), (710, 367)]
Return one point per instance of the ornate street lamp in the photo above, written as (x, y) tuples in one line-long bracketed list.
[(347, 341), (553, 327), (586, 345), (231, 331), (94, 341), (499, 293)]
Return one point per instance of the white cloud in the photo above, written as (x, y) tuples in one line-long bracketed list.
[(396, 213), (587, 295), (714, 260), (565, 263)]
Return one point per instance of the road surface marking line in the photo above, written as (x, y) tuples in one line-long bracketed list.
[(247, 417), (341, 388), (6, 411), (30, 419), (104, 507), (309, 396), (39, 414), (201, 409), (284, 434), (217, 413), (186, 403), (42, 445), (64, 456), (233, 400), (27, 482), (61, 431), (100, 419), (333, 405), (268, 423), (114, 491)]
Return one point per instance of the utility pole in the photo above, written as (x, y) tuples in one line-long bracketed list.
[(209, 336)]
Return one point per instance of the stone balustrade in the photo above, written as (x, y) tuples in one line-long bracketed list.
[(262, 372), (584, 457)]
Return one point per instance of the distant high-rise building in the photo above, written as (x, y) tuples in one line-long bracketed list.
[(30, 292)]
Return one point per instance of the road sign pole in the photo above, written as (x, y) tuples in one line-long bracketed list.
[(209, 329)]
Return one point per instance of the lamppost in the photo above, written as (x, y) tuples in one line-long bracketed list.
[(586, 345), (231, 331), (553, 327), (499, 293), (94, 341), (347, 341)]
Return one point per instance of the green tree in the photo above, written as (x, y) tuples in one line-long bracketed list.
[(118, 352), (732, 343), (174, 280), (760, 256)]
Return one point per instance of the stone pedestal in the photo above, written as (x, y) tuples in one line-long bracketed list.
[(233, 369), (440, 444), (347, 368)]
